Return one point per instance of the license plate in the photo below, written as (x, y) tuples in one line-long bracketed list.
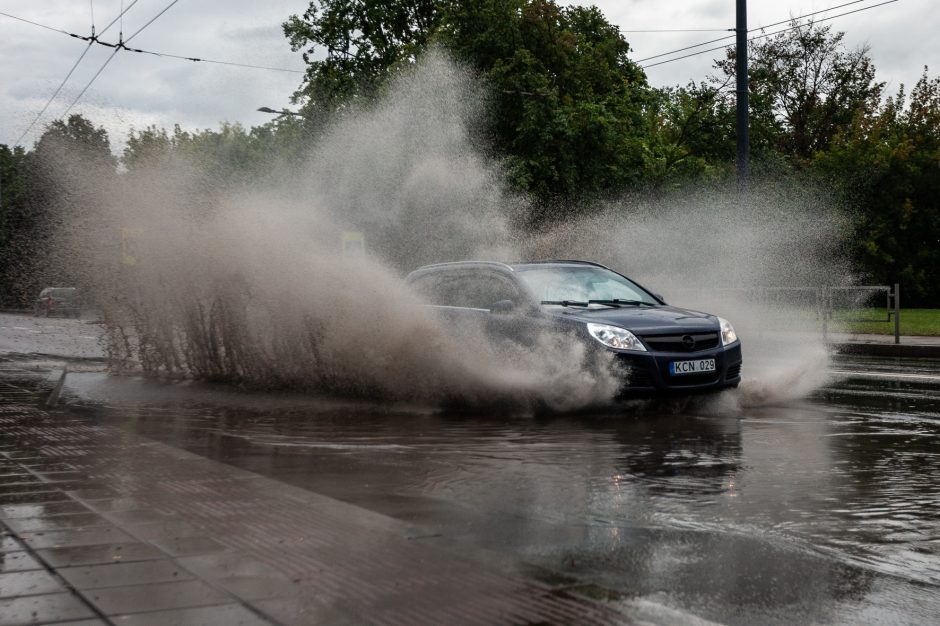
[(677, 368)]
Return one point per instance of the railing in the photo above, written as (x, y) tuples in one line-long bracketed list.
[(825, 300), (892, 300)]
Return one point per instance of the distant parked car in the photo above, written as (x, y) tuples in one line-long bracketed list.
[(63, 301), (664, 349)]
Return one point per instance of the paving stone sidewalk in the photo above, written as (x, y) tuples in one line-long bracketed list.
[(100, 526)]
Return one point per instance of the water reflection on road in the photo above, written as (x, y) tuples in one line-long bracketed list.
[(827, 510)]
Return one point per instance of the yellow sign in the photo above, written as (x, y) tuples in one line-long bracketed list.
[(354, 242), (129, 245)]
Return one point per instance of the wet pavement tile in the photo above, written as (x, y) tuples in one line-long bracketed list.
[(47, 495), (42, 509), (156, 597), (53, 466), (95, 493), (14, 584), (243, 576), (19, 484), (223, 615), (122, 574), (189, 546), (62, 475), (57, 522), (18, 562), (11, 475), (118, 504), (91, 555), (25, 457), (139, 516), (308, 611), (262, 587), (8, 543), (68, 538), (229, 563), (166, 530), (40, 609)]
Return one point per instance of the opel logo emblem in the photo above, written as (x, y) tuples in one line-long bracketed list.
[(688, 342)]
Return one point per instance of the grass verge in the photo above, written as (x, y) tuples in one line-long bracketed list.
[(915, 322)]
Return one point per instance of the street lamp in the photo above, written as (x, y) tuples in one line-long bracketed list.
[(281, 112)]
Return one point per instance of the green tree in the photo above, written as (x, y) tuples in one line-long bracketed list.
[(887, 166), (361, 41), (805, 87), (229, 155), (568, 105), (16, 218), (72, 170)]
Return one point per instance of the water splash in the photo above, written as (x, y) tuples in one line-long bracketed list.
[(250, 285)]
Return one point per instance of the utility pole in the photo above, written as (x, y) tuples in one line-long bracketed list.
[(744, 148)]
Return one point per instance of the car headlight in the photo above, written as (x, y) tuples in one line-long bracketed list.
[(727, 332), (615, 337)]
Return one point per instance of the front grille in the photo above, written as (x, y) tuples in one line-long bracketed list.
[(686, 342), (734, 371), (638, 377)]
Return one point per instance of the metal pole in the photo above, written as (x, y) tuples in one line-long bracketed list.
[(742, 96), (897, 313)]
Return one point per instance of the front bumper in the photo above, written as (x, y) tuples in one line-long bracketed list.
[(647, 373)]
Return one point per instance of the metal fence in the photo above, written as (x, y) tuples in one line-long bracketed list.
[(830, 304)]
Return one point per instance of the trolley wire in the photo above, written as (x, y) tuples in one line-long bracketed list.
[(117, 49), (121, 43), (762, 36), (55, 94), (765, 26)]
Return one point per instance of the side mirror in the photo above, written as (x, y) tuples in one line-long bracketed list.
[(503, 306), (660, 297)]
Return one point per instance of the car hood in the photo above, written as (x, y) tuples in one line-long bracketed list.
[(642, 319)]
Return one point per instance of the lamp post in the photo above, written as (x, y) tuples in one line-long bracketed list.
[(281, 112), (742, 97)]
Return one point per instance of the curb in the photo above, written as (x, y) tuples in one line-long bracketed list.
[(887, 349)]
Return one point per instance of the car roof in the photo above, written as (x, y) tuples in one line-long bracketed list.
[(513, 266)]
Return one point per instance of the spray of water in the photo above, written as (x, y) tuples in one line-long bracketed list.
[(756, 261), (250, 285)]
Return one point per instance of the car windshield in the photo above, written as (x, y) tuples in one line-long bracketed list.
[(60, 292), (581, 284)]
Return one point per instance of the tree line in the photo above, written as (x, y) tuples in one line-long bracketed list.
[(573, 119)]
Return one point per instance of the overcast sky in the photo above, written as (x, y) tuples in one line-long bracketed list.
[(136, 90)]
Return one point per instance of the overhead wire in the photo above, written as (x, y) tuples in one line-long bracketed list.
[(121, 43), (46, 26), (677, 30), (117, 49), (55, 94), (705, 43), (764, 35)]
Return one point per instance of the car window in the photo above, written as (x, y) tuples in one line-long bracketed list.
[(472, 290), (581, 284), (438, 288), (481, 291)]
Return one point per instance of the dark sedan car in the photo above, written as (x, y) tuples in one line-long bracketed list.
[(664, 348), (58, 301)]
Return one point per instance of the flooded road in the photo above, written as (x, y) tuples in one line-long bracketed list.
[(821, 511)]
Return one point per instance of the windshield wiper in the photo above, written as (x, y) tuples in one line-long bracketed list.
[(618, 301), (565, 302), (612, 303)]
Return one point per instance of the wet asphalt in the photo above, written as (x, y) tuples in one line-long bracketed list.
[(822, 510)]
